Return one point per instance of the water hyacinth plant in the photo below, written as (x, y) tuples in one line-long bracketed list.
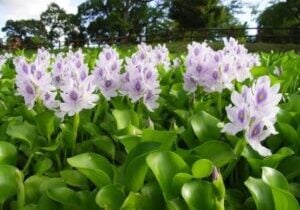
[(217, 70), (112, 129), (254, 112)]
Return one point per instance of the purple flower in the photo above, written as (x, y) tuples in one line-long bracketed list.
[(106, 74), (77, 89), (140, 79), (33, 82), (217, 70), (161, 56), (254, 112)]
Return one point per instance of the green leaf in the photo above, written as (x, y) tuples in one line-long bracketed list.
[(274, 179), (261, 194), (166, 138), (23, 131), (45, 203), (8, 182), (179, 180), (93, 166), (287, 167), (154, 196), (165, 165), (295, 189), (202, 168), (217, 152), (124, 118), (199, 195), (32, 191), (135, 167), (205, 126), (45, 123), (50, 183), (8, 153), (63, 195), (42, 166), (283, 199), (289, 134), (129, 141), (259, 71), (135, 201), (110, 197), (74, 178), (105, 145), (275, 159)]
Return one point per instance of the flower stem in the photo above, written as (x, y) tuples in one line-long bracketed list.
[(76, 121), (219, 104), (21, 190), (239, 148), (97, 113), (27, 164)]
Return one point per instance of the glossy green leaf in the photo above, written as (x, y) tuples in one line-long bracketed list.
[(105, 145), (8, 153), (261, 194), (110, 197), (135, 201), (124, 118), (43, 165), (74, 178), (217, 152), (45, 123), (283, 199), (23, 131), (288, 169), (274, 179), (275, 159), (179, 180), (32, 191), (8, 182), (166, 138), (205, 126), (135, 167), (152, 193), (129, 141), (199, 195), (202, 168), (165, 165), (94, 166), (64, 196), (45, 203)]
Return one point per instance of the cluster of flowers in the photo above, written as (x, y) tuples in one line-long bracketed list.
[(216, 70), (140, 79), (254, 112), (69, 87)]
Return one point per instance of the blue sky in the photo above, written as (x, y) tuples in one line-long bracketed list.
[(25, 9)]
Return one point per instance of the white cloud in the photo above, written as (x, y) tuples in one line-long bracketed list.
[(28, 9)]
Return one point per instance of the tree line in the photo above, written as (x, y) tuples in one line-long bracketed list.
[(123, 21)]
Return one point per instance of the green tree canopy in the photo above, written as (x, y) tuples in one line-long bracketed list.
[(55, 20), (30, 32), (193, 14), (280, 15)]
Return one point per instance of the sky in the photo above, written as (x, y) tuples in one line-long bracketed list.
[(28, 9)]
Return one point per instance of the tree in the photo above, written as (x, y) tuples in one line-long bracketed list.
[(119, 19), (55, 20), (32, 33), (76, 35), (195, 14), (280, 15)]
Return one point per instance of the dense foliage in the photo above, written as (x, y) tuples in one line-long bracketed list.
[(143, 129)]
